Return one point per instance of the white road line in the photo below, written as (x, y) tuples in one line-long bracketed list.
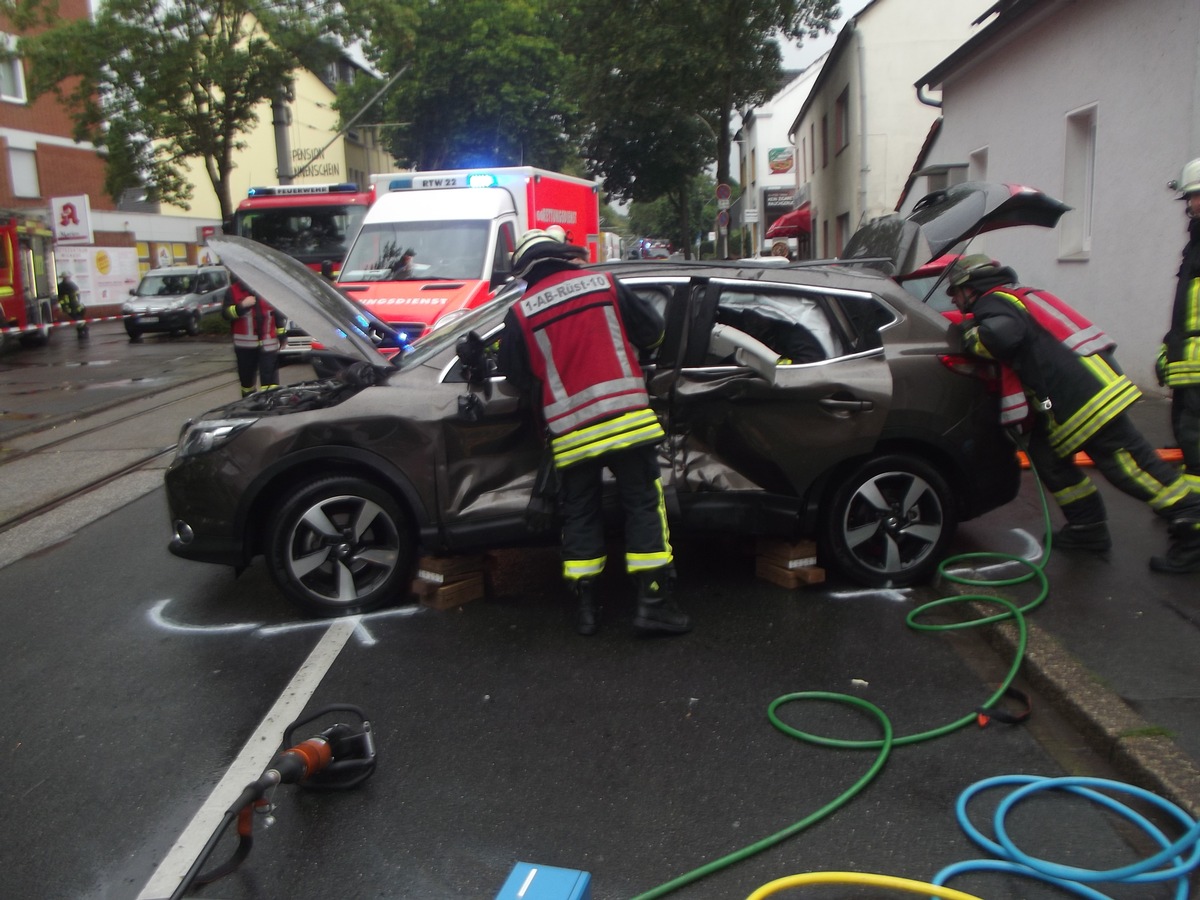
[(251, 761)]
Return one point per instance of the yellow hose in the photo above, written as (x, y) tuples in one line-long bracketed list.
[(885, 881)]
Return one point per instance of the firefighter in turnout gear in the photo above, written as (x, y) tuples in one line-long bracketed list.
[(257, 336), (1179, 358), (572, 343), (70, 304), (1079, 397)]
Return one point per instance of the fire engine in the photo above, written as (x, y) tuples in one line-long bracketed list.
[(28, 291), (461, 226), (314, 223)]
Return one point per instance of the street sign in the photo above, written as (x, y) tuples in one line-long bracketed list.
[(723, 218), (723, 192)]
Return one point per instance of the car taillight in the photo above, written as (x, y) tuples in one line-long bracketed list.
[(973, 367)]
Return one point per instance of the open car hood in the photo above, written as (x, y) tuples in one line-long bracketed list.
[(331, 318), (945, 218)]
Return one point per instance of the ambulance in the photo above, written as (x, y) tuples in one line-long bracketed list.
[(436, 244)]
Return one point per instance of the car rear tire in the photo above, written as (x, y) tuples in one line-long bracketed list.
[(341, 545), (888, 523)]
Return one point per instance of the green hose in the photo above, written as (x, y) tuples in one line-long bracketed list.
[(883, 745)]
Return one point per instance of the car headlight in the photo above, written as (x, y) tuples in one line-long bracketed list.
[(201, 437)]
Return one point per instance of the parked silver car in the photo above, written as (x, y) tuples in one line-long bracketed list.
[(805, 400), (174, 299)]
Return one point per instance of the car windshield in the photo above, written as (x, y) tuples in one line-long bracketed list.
[(310, 234), (165, 285), (441, 251)]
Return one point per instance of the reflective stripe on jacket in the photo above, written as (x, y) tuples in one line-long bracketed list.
[(1179, 359), (1079, 393), (593, 391), (1075, 330), (253, 327)]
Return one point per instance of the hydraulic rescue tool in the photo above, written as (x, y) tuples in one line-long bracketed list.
[(338, 758)]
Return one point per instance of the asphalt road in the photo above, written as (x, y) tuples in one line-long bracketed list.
[(139, 685)]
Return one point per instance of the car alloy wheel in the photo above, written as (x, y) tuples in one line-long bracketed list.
[(889, 523), (341, 545)]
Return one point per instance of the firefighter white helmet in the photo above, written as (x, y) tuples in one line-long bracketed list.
[(1189, 179), (538, 245)]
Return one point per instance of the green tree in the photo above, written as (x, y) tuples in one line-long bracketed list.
[(156, 82), (480, 85), (660, 81)]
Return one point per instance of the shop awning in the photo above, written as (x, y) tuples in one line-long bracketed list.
[(792, 224)]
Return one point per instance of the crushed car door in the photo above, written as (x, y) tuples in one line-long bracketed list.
[(776, 385), (493, 442)]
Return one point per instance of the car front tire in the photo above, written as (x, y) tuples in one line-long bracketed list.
[(193, 324), (341, 545), (888, 523)]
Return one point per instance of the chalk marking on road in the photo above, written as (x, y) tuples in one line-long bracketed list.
[(881, 593), (1032, 551), (251, 762), (361, 633)]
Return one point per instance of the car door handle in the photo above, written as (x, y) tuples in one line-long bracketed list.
[(846, 405)]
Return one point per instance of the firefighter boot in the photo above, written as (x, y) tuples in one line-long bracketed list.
[(587, 610), (1094, 537), (657, 611), (1183, 554)]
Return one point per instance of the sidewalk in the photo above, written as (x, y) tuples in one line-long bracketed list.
[(1127, 642)]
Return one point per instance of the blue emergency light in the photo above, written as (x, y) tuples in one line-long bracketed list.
[(528, 881), (481, 180)]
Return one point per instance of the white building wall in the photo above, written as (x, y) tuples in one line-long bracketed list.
[(1137, 65), (889, 45), (766, 129)]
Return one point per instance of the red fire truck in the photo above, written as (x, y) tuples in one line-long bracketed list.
[(28, 291), (314, 223)]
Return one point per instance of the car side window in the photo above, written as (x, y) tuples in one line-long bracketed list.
[(795, 325), (862, 318), (505, 244)]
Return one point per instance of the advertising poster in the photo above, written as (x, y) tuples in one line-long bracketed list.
[(105, 275)]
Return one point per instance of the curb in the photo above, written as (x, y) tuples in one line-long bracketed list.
[(1118, 733)]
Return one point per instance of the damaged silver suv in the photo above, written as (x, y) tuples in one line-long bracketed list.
[(807, 400)]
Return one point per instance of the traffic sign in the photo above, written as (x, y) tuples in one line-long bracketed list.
[(723, 192), (723, 218)]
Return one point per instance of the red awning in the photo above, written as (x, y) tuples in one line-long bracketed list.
[(792, 224)]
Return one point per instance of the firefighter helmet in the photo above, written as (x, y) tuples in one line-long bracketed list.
[(538, 245), (1188, 181), (969, 268)]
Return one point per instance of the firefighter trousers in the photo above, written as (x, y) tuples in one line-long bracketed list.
[(1126, 460), (647, 537), (1185, 422), (256, 363)]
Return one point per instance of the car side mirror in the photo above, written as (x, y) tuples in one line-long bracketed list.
[(472, 358), (474, 365)]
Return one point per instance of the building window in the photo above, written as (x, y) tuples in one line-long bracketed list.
[(22, 167), (812, 141), (841, 121), (843, 233), (824, 141), (1079, 173), (12, 74)]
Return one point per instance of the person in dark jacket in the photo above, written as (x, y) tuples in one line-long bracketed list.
[(571, 342), (71, 306), (1178, 363), (258, 333), (1079, 396)]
